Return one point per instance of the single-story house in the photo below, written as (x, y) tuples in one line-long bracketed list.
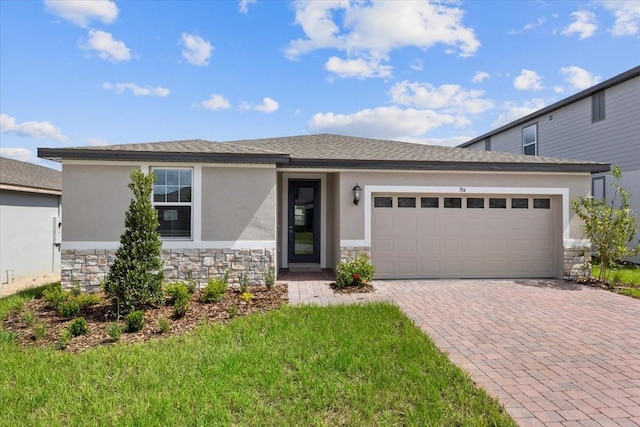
[(418, 211), (30, 209)]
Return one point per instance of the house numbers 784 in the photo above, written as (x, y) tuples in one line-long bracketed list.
[(462, 190)]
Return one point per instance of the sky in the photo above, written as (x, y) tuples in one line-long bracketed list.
[(98, 72)]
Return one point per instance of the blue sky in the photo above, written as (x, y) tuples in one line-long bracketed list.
[(95, 72)]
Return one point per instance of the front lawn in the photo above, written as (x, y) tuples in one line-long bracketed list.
[(624, 280), (342, 365)]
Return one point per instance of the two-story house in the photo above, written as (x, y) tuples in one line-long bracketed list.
[(600, 124)]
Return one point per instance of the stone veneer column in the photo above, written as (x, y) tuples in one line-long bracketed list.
[(349, 253), (576, 262), (88, 268)]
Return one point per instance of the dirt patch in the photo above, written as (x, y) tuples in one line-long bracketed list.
[(362, 289), (102, 314), (594, 282)]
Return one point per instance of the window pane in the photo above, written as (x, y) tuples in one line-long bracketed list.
[(452, 202), (529, 135), (158, 193), (175, 221), (161, 176), (172, 193), (429, 202), (530, 150), (542, 203), (475, 203), (519, 203), (495, 203), (382, 202), (406, 202), (185, 194), (173, 177)]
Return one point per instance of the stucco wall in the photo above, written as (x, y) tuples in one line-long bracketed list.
[(26, 241), (238, 204), (352, 217), (95, 199)]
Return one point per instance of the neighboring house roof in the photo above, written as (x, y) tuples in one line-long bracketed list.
[(22, 176), (620, 78), (326, 151)]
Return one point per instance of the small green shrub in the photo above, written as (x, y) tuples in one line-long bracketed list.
[(28, 317), (134, 321), (214, 291), (86, 300), (356, 272), (227, 273), (7, 336), (246, 296), (233, 311), (65, 339), (164, 325), (180, 308), (69, 308), (53, 294), (244, 282), (191, 283), (114, 330), (78, 326), (179, 294), (39, 331), (270, 279)]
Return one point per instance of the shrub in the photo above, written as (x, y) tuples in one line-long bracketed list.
[(244, 282), (28, 317), (39, 331), (65, 339), (180, 307), (135, 278), (53, 294), (246, 296), (78, 326), (134, 321), (86, 300), (114, 330), (164, 325), (179, 295), (69, 308), (270, 279), (356, 272), (214, 291)]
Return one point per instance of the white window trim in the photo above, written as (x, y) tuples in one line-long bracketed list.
[(194, 217), (369, 190)]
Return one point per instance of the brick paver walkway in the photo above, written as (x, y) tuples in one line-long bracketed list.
[(553, 353)]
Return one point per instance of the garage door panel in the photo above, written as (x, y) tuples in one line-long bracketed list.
[(464, 242)]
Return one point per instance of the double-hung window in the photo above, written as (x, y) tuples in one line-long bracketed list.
[(530, 140), (172, 200), (597, 107)]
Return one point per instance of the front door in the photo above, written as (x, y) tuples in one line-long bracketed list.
[(304, 221)]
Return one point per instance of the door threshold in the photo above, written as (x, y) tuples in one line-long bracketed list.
[(304, 267)]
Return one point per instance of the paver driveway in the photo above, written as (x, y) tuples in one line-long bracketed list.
[(553, 353)]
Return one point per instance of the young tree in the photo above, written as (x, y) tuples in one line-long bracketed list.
[(135, 278), (609, 227)]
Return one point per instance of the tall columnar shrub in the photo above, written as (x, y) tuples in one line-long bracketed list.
[(135, 278), (609, 227)]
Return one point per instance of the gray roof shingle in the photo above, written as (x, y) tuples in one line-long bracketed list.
[(326, 151), (30, 176)]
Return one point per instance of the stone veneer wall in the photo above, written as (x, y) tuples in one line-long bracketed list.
[(349, 253), (577, 263), (88, 268)]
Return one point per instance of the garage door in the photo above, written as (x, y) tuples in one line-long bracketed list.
[(427, 236)]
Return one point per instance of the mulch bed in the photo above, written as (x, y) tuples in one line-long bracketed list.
[(594, 282), (100, 315), (362, 289)]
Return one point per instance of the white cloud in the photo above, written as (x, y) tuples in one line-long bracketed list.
[(514, 111), (584, 24), (417, 65), (579, 78), (528, 80), (244, 5), (480, 76), (197, 50), (359, 68), (32, 129), (627, 14), (268, 106), (215, 102), (22, 154), (382, 122), (106, 46), (136, 90), (80, 12), (94, 141), (450, 98), (371, 30)]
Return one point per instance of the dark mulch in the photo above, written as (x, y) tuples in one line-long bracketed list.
[(361, 289), (100, 315)]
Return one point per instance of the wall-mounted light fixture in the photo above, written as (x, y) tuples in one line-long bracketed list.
[(357, 192)]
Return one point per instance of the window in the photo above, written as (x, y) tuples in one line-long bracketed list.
[(382, 202), (453, 202), (475, 203), (597, 107), (541, 203), (497, 203), (530, 140), (487, 144), (429, 202), (406, 202), (519, 203), (173, 202), (598, 188)]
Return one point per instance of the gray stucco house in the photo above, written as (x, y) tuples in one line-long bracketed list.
[(30, 209), (601, 124), (420, 212)]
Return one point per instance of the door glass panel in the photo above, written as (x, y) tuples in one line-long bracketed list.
[(304, 227)]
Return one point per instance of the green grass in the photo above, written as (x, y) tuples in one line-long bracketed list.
[(314, 366), (626, 277)]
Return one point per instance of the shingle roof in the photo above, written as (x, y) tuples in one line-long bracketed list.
[(327, 151), (14, 173)]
